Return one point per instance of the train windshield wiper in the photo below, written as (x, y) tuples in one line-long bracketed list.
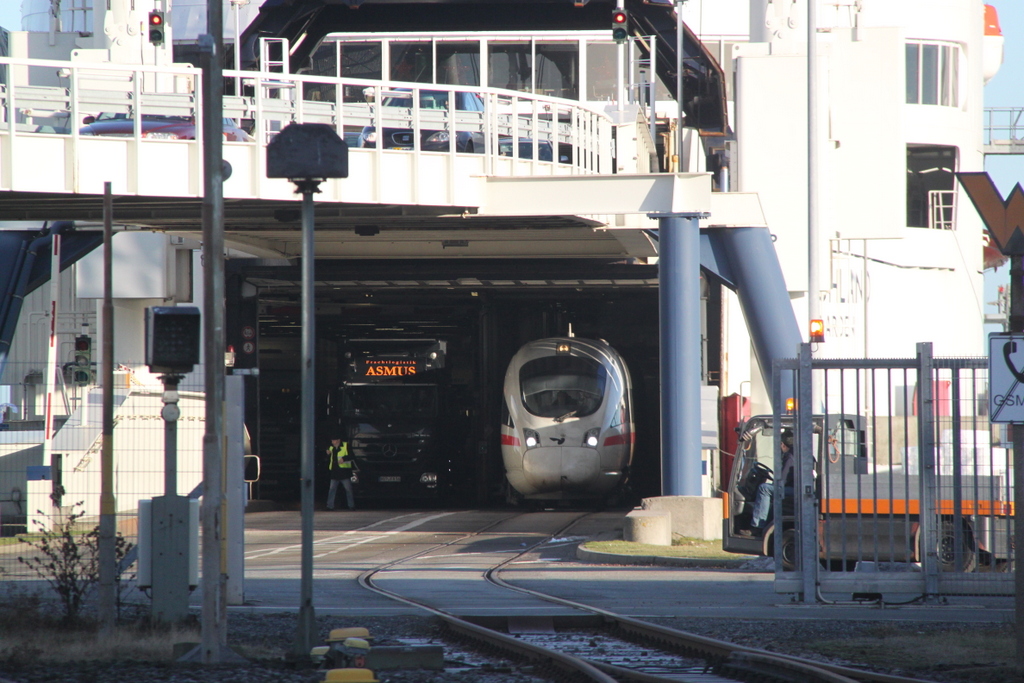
[(563, 417)]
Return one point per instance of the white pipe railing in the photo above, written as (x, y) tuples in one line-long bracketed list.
[(535, 130)]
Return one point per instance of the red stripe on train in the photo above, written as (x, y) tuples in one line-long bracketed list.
[(509, 440), (620, 439)]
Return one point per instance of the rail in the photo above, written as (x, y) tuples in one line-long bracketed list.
[(737, 662), (1004, 130), (509, 133)]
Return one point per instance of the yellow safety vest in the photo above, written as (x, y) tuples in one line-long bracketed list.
[(334, 453)]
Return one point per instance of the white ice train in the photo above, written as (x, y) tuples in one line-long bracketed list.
[(567, 421)]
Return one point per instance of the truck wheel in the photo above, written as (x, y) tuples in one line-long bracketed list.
[(790, 550), (968, 560)]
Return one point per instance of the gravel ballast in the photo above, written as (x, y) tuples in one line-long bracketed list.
[(265, 641)]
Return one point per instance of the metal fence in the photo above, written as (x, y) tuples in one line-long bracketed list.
[(902, 484), (43, 480)]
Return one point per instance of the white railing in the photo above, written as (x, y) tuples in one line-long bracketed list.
[(1004, 125), (942, 209), (541, 135)]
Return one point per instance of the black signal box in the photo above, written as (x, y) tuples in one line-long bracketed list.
[(307, 151), (173, 337)]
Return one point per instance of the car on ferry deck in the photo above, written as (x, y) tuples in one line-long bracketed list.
[(154, 127)]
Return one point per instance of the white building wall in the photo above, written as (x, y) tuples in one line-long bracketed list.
[(147, 272), (884, 304)]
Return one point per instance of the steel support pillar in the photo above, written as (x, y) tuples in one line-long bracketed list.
[(679, 304)]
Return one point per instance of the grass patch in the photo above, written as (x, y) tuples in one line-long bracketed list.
[(32, 630), (978, 654), (62, 645), (681, 547)]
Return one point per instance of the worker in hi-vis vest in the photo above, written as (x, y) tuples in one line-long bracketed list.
[(339, 464)]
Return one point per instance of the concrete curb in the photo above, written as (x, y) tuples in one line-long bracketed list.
[(597, 557)]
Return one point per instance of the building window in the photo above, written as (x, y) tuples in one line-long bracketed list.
[(602, 71), (931, 186), (412, 61), (510, 65), (933, 74), (458, 63), (353, 60), (361, 60), (558, 69)]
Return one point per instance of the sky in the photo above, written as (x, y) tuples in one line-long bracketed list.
[(1002, 91)]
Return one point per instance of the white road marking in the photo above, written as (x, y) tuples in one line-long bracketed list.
[(256, 554)]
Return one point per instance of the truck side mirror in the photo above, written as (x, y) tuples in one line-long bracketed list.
[(252, 468)]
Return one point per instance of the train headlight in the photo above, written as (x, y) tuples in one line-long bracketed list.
[(592, 437), (531, 438)]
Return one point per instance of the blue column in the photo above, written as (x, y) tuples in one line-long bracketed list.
[(679, 303)]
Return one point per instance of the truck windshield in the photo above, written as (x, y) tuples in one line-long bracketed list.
[(562, 386), (392, 401)]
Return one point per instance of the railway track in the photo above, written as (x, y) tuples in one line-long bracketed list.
[(604, 647)]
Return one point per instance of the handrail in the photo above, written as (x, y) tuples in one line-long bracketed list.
[(535, 130), (1004, 124)]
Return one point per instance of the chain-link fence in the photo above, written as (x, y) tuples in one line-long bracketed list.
[(50, 471)]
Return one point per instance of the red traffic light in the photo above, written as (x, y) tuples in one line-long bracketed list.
[(156, 27), (83, 343), (620, 25)]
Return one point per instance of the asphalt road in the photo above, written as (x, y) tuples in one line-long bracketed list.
[(348, 543)]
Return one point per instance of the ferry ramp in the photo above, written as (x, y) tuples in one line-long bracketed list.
[(476, 164)]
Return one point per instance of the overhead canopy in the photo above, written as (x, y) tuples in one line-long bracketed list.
[(306, 22)]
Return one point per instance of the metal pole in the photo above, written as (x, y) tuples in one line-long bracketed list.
[(1017, 325), (679, 303), (812, 162), (236, 6), (927, 479), (170, 522), (620, 81), (108, 503), (170, 415), (214, 612), (803, 480), (652, 77), (51, 357), (679, 86), (307, 618)]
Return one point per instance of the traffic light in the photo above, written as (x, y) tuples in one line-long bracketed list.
[(173, 337), (81, 373), (156, 27), (817, 333), (620, 25)]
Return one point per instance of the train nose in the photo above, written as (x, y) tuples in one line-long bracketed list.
[(561, 468)]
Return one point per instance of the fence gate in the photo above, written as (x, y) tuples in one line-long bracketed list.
[(902, 485)]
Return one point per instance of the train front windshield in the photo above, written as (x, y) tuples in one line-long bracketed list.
[(562, 386), (398, 401)]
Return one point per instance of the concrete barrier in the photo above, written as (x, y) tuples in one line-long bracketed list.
[(648, 526), (692, 516)]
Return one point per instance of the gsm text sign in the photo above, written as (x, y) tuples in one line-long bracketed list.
[(1006, 377)]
